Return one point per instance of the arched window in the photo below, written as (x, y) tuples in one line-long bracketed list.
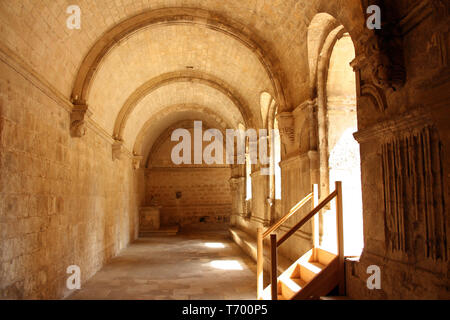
[(277, 158), (333, 85), (248, 176), (268, 115)]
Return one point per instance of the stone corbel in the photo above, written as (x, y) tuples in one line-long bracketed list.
[(137, 159), (77, 119), (377, 55), (286, 125), (237, 186), (308, 109), (117, 150), (236, 183)]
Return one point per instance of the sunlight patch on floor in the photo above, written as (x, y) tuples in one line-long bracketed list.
[(217, 245), (226, 265)]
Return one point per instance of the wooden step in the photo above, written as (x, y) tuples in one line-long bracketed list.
[(311, 276), (248, 244), (267, 294), (308, 270), (322, 283), (291, 286), (323, 256)]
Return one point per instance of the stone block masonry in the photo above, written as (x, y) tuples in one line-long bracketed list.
[(203, 194), (63, 201)]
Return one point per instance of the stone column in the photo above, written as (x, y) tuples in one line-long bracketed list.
[(287, 132), (259, 196), (237, 185)]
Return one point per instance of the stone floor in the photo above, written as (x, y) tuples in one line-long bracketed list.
[(191, 265)]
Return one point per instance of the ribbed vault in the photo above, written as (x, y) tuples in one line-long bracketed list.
[(124, 55), (216, 67), (162, 132), (274, 31), (167, 64), (180, 93), (196, 79), (156, 124)]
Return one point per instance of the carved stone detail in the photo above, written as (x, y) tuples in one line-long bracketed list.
[(77, 120), (385, 69), (137, 159), (415, 217), (386, 131), (117, 150), (439, 39), (441, 10), (236, 183), (286, 125), (376, 95)]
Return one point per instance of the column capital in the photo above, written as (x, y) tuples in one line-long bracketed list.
[(286, 125), (77, 119), (137, 161), (117, 149)]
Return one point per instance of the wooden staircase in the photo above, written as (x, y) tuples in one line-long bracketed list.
[(314, 274)]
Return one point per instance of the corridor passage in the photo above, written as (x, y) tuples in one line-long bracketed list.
[(191, 265)]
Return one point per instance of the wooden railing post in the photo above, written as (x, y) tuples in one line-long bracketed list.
[(340, 236), (273, 268), (316, 207), (259, 263), (315, 225)]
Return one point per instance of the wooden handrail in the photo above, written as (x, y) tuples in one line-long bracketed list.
[(337, 193), (273, 267), (260, 239), (307, 217), (291, 212)]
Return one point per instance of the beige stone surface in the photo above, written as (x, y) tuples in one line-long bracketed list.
[(63, 201), (194, 265), (85, 116)]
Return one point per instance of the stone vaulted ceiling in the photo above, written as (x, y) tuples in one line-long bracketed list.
[(134, 62)]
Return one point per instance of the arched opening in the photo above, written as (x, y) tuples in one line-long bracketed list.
[(334, 86), (188, 194), (248, 176), (277, 158), (343, 149), (269, 111)]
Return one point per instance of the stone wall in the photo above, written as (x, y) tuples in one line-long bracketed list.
[(203, 194), (187, 193), (63, 200), (404, 141)]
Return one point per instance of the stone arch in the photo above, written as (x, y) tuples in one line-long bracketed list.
[(336, 116), (180, 76), (265, 102), (376, 96), (318, 31), (352, 19), (138, 145), (161, 138), (275, 154), (171, 16), (322, 74)]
